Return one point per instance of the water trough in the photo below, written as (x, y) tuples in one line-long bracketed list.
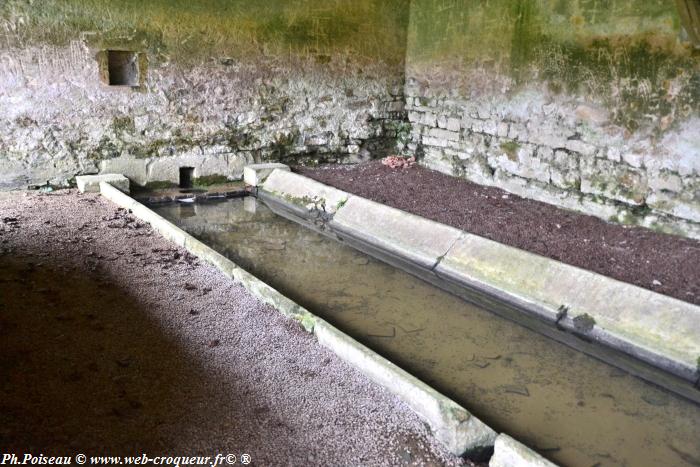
[(671, 422)]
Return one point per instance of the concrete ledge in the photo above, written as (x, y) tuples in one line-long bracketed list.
[(178, 236), (655, 328), (304, 193), (508, 452), (417, 239), (256, 174), (91, 183), (451, 424)]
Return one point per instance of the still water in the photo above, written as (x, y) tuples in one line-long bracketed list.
[(574, 409)]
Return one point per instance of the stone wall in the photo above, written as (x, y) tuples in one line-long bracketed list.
[(594, 106), (222, 83)]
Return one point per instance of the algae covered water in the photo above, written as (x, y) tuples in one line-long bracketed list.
[(570, 407)]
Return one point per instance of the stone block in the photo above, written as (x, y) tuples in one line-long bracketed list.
[(564, 170), (430, 119), (453, 124), (446, 135), (575, 145), (304, 192), (508, 452), (168, 168), (134, 169), (408, 236), (520, 160), (665, 181), (652, 327), (615, 181), (256, 174), (415, 117), (91, 183), (674, 205), (633, 159)]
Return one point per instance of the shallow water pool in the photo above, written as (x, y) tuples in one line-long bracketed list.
[(570, 407)]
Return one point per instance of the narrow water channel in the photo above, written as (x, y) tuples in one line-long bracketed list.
[(574, 409)]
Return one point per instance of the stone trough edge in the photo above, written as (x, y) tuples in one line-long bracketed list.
[(616, 335), (451, 424)]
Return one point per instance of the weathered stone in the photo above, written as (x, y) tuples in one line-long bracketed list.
[(580, 147), (674, 205), (453, 124), (508, 452), (91, 183), (633, 159), (168, 168), (236, 163), (592, 114), (520, 160), (304, 192), (564, 172), (430, 119), (666, 181), (650, 326), (441, 134), (134, 169), (417, 239), (256, 174), (615, 181)]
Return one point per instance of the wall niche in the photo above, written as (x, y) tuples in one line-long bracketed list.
[(123, 68)]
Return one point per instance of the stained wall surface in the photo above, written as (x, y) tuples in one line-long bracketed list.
[(589, 104), (219, 83)]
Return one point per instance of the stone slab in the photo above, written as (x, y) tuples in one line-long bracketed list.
[(460, 431), (655, 328), (91, 183), (256, 174), (508, 452), (304, 192), (415, 238), (134, 169)]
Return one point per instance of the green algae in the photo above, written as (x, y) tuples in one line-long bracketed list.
[(186, 31), (511, 149), (209, 180), (625, 53)]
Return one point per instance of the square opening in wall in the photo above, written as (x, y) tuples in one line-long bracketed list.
[(186, 177), (123, 67)]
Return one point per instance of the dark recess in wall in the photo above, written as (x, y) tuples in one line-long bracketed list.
[(123, 68), (186, 177)]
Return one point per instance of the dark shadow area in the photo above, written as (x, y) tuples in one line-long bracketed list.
[(186, 177), (123, 68), (86, 369)]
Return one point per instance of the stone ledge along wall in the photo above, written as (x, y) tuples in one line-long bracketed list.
[(221, 83), (588, 104)]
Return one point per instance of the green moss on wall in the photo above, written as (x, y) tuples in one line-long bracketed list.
[(183, 30), (626, 53)]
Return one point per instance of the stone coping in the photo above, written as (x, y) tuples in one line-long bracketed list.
[(508, 452), (451, 424), (659, 330), (91, 183)]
